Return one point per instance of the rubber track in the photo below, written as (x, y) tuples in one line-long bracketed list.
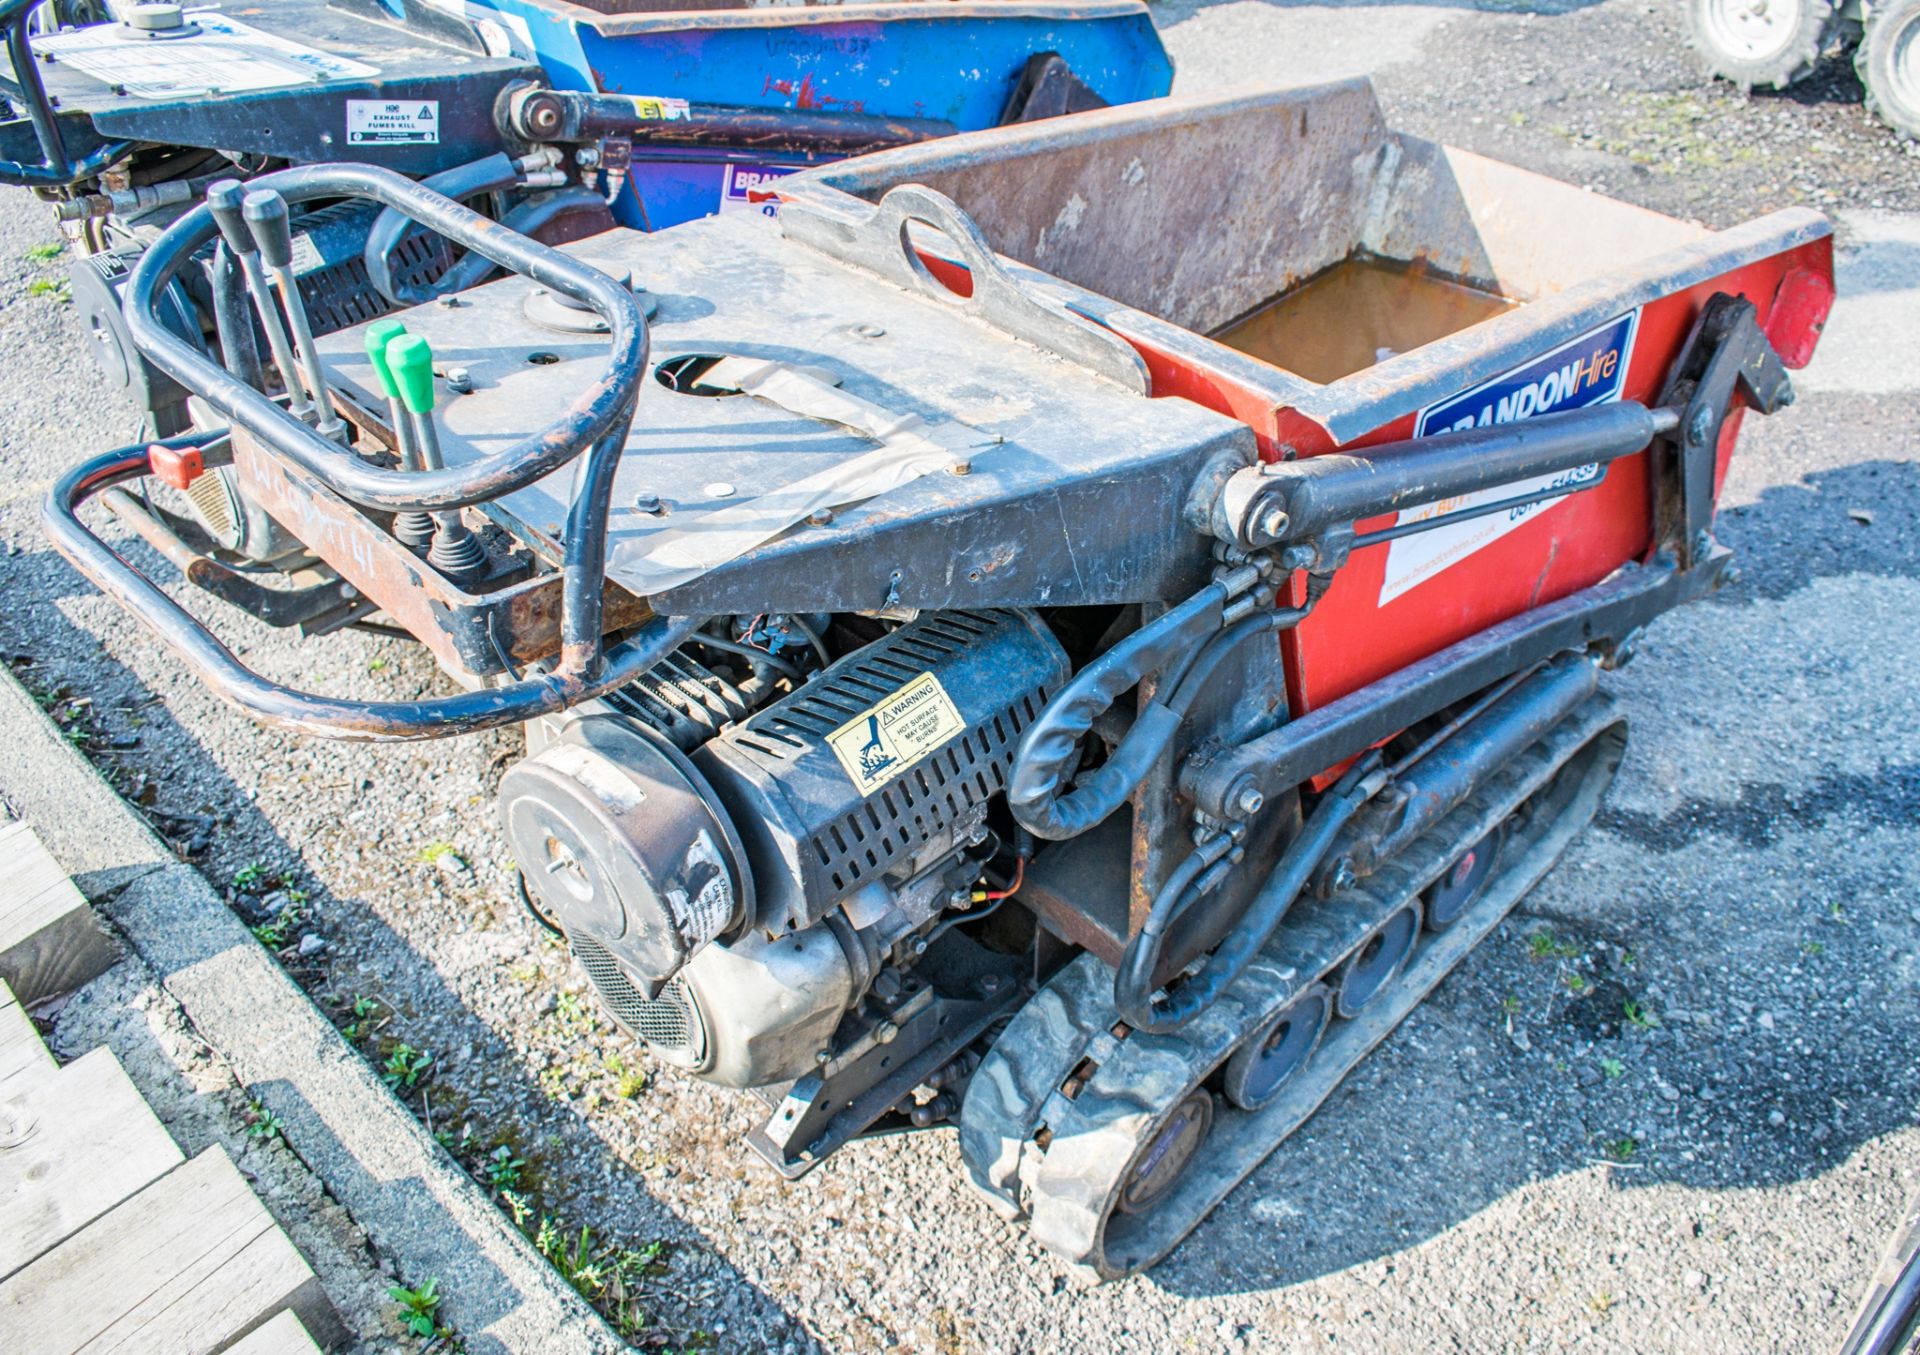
[(1032, 1150)]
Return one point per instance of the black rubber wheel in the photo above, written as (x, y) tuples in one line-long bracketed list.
[(1372, 966), (1760, 44), (1164, 1158), (1449, 896), (1267, 1059), (1888, 62)]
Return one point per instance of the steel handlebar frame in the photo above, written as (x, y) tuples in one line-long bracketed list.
[(595, 425), (56, 168), (283, 707)]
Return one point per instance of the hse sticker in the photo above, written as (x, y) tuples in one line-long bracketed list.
[(382, 122), (749, 188), (1589, 370), (880, 743)]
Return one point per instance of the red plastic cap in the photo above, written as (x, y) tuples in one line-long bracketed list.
[(178, 466)]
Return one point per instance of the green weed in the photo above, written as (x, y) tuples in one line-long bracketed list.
[(405, 1066)]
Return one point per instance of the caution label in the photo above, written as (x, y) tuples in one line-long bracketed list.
[(884, 741), (381, 122)]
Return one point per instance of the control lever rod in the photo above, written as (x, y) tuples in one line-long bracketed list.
[(266, 216), (227, 200)]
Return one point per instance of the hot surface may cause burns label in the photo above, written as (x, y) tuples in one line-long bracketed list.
[(885, 740)]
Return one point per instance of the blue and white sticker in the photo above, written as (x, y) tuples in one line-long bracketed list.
[(749, 188), (1589, 370)]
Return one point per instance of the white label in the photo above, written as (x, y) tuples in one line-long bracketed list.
[(382, 122), (1590, 370), (225, 57), (749, 188)]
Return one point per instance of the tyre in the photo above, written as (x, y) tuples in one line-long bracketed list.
[(1889, 65), (1763, 44)]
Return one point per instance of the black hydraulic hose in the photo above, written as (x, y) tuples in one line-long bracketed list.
[(1048, 750), (489, 174), (1133, 983), (528, 218)]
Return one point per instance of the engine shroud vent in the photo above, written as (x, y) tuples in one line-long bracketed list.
[(812, 836), (669, 1024)]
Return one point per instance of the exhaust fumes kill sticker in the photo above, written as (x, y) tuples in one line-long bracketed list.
[(1590, 370), (885, 740), (382, 122)]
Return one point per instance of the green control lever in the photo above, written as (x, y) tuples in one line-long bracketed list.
[(413, 528), (455, 551)]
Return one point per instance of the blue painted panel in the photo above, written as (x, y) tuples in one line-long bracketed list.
[(959, 69)]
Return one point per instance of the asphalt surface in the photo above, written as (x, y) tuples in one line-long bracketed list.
[(1521, 1166)]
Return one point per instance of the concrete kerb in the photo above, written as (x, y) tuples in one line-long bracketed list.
[(423, 1213)]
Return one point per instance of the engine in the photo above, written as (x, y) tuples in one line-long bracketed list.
[(732, 897)]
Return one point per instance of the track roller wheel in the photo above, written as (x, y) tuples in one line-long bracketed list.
[(1165, 1156), (1370, 969), (1450, 895), (1269, 1057)]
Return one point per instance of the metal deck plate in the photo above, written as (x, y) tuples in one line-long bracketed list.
[(1030, 449)]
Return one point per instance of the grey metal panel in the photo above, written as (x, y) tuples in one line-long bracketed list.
[(1080, 500)]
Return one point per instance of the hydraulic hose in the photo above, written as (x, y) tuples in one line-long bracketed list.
[(1133, 983), (1051, 744), (490, 174)]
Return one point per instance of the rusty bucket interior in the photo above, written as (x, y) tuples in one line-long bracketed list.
[(1290, 224)]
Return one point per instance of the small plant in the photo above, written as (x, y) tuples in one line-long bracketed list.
[(1811, 948), (627, 1082), (1638, 1015), (365, 1009), (405, 1066), (51, 289), (263, 1123), (502, 1169), (1544, 945), (1837, 913), (250, 876), (1601, 1303), (553, 1083), (430, 854), (518, 1206), (1576, 984), (419, 1308), (375, 665), (1623, 1148), (274, 934), (45, 253), (1613, 1068), (1510, 1004)]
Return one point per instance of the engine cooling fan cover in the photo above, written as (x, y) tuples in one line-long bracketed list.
[(622, 841)]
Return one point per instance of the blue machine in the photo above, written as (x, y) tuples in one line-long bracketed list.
[(964, 65)]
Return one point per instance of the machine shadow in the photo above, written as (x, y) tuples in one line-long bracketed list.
[(1449, 1116), (364, 950)]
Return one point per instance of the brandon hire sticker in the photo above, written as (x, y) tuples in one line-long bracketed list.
[(382, 122), (880, 743), (1590, 370)]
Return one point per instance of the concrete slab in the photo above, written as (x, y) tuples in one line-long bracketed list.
[(414, 1202)]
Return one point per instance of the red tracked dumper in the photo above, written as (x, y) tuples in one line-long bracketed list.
[(1070, 630)]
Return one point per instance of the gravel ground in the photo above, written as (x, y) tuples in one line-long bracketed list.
[(1521, 1166)]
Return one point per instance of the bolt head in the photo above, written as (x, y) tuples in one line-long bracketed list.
[(1249, 801), (1273, 523), (820, 517), (961, 468), (1344, 877)]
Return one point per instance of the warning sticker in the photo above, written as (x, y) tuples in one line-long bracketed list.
[(382, 122), (1590, 370), (879, 744), (221, 56)]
